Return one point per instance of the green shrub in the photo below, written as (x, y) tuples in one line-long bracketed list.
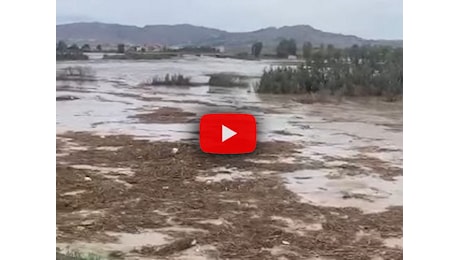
[(171, 80), (60, 56), (76, 255), (358, 71), (78, 73), (227, 80)]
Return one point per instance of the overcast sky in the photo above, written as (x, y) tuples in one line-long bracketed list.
[(372, 19)]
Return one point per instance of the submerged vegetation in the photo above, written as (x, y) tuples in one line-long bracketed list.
[(76, 255), (218, 79), (227, 80), (77, 73), (356, 71), (171, 80)]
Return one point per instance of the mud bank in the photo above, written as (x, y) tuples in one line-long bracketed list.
[(152, 197)]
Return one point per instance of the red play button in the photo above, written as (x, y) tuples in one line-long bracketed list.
[(228, 133)]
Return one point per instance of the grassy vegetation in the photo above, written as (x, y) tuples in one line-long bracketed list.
[(61, 56), (171, 80), (141, 56), (218, 79), (77, 73), (227, 80), (75, 255), (357, 71)]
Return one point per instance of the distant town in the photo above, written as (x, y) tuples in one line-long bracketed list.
[(286, 49)]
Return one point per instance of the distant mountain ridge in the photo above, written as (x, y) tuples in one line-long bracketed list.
[(186, 34)]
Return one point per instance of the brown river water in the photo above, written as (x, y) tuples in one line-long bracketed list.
[(366, 133)]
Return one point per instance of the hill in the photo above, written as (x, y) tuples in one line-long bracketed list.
[(186, 34)]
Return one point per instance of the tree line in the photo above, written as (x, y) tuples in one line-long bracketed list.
[(283, 50), (73, 52), (63, 47)]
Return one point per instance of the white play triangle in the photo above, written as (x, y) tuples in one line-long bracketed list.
[(227, 133)]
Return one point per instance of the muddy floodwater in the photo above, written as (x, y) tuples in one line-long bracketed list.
[(325, 181)]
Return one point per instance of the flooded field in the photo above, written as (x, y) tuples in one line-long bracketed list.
[(325, 181)]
